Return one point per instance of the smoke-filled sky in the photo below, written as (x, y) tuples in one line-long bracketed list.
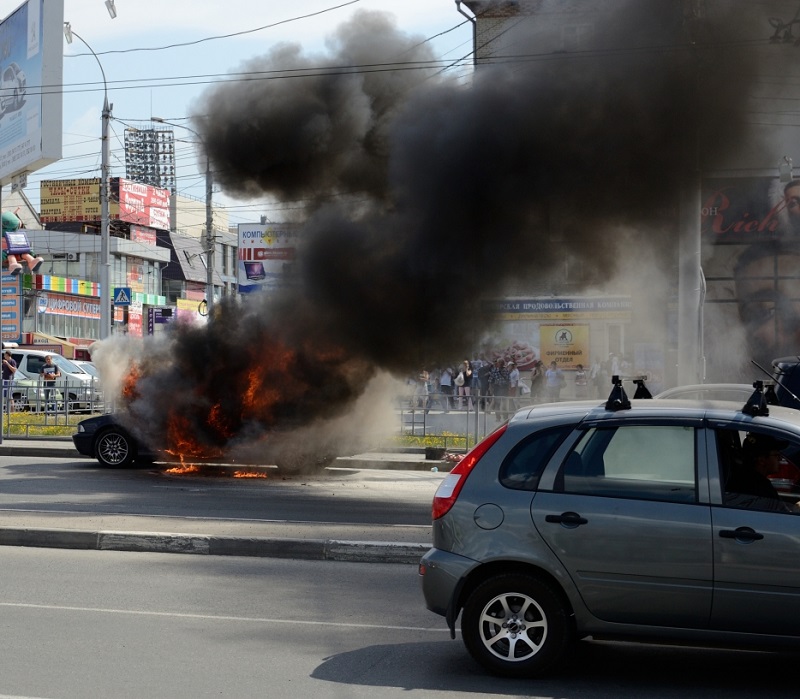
[(421, 196)]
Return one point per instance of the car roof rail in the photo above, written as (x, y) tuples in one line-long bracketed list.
[(618, 399), (641, 390), (769, 393), (757, 403)]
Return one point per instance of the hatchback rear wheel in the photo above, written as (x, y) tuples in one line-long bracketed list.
[(516, 625)]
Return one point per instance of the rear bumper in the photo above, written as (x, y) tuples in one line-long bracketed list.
[(443, 576)]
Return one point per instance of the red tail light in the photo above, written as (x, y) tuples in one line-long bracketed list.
[(448, 490)]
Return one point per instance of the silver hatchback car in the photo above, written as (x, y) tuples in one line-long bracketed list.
[(642, 519)]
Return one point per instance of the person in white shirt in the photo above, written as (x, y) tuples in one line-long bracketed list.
[(446, 388), (513, 386)]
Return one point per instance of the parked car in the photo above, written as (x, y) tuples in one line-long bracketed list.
[(628, 520), (13, 87), (82, 390), (87, 367), (738, 392), (28, 394), (103, 438)]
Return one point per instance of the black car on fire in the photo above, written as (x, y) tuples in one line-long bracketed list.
[(104, 439)]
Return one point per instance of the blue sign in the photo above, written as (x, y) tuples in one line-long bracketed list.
[(122, 296)]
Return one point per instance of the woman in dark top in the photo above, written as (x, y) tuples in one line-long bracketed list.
[(464, 383)]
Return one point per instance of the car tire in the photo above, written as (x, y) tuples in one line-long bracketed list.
[(516, 625), (114, 448)]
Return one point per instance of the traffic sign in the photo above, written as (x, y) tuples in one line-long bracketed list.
[(122, 296)]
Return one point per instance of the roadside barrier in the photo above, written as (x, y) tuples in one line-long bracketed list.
[(32, 409)]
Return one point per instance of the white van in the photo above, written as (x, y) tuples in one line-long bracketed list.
[(81, 390)]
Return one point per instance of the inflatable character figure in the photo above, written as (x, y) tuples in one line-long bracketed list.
[(15, 245)]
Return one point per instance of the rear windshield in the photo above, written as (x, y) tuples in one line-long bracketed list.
[(523, 466)]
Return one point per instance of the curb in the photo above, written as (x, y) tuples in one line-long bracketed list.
[(7, 449), (157, 542)]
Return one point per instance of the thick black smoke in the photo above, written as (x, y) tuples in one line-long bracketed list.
[(423, 195)]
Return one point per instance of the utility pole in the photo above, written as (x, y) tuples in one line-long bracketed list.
[(105, 226), (209, 239)]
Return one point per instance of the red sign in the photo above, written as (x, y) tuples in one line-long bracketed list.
[(141, 204), (143, 235)]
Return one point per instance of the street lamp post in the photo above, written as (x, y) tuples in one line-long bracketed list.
[(209, 242), (105, 234)]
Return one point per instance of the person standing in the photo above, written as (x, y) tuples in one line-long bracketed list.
[(581, 383), (480, 383), (595, 373), (423, 390), (446, 388), (537, 380), (49, 373), (513, 386), (478, 387), (9, 369), (464, 383), (498, 387), (554, 382)]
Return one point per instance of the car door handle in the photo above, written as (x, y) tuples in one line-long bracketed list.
[(741, 534), (568, 519)]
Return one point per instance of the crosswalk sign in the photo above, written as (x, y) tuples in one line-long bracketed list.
[(122, 296)]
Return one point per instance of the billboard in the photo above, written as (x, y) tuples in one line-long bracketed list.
[(750, 255), (69, 200), (266, 254), (79, 200), (30, 114), (10, 299), (141, 204), (66, 305), (567, 344)]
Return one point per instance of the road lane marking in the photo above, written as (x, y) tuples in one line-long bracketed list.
[(243, 520), (219, 617)]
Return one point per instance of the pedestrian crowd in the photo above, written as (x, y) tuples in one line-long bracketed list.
[(498, 386)]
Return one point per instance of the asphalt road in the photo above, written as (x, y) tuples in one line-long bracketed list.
[(77, 495), (82, 624)]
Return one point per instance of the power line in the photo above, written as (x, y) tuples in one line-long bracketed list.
[(223, 36)]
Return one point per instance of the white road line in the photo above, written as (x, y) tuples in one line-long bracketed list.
[(99, 515), (216, 617)]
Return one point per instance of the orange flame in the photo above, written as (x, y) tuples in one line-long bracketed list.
[(217, 420), (249, 474), (181, 444), (129, 391), (183, 470)]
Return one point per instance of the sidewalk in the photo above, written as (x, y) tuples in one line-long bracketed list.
[(219, 537)]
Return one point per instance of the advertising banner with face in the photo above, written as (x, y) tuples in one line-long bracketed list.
[(751, 264)]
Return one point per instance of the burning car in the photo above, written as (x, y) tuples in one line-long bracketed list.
[(104, 439)]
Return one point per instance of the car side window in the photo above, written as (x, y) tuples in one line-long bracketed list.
[(35, 364), (645, 462), (758, 471), (523, 466)]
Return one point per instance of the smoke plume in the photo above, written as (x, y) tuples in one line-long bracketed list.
[(422, 195)]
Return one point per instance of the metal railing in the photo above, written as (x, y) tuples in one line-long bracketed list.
[(455, 422), (32, 407)]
